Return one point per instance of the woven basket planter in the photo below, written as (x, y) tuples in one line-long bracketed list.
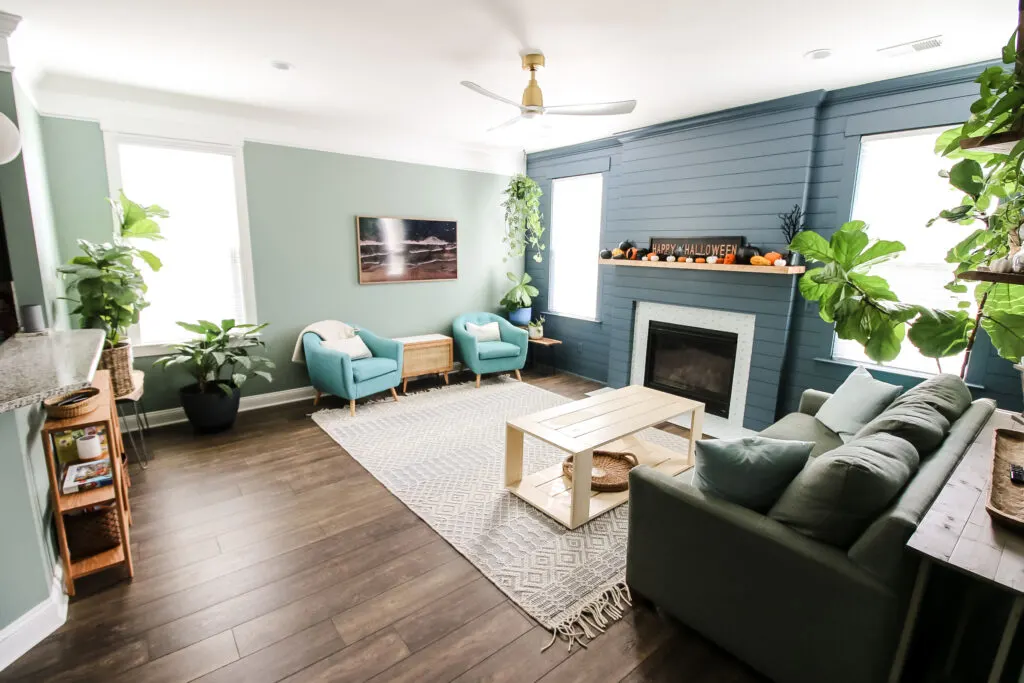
[(119, 361), (609, 470), (92, 532)]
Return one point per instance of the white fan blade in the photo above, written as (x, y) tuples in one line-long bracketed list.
[(505, 125), (602, 109), (487, 93)]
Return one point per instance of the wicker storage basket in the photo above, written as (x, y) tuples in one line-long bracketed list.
[(1006, 499), (92, 532), (60, 412), (609, 472), (119, 361)]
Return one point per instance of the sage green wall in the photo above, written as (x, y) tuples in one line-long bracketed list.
[(302, 207)]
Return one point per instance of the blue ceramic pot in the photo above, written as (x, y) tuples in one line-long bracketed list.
[(520, 316)]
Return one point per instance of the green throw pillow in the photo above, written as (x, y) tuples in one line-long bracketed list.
[(840, 493), (857, 401), (751, 472)]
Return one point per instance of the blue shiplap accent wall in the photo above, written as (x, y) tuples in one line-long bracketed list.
[(731, 173)]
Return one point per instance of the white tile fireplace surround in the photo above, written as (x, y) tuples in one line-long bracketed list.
[(740, 324)]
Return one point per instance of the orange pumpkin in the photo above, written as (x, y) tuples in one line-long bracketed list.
[(729, 258), (631, 253), (773, 256), (700, 260)]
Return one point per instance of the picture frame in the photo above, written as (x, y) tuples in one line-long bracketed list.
[(399, 249), (697, 246)]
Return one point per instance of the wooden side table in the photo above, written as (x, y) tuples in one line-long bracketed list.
[(545, 343), (105, 415), (426, 354), (141, 420)]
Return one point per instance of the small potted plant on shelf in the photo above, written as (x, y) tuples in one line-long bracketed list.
[(792, 225), (523, 228), (220, 361), (536, 328), (109, 285), (518, 301)]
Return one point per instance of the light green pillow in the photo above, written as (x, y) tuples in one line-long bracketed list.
[(751, 472), (947, 393), (857, 401), (918, 422), (839, 494)]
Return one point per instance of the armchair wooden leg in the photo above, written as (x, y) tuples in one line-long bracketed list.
[(316, 399), (352, 407), (394, 393), (478, 381), (518, 376)]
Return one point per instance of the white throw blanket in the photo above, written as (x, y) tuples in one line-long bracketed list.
[(328, 330)]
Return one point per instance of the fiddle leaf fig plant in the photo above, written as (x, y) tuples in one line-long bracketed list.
[(522, 293), (523, 228)]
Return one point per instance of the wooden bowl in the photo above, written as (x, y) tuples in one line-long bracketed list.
[(85, 405)]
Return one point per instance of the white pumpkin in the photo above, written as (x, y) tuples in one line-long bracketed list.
[(1003, 265), (780, 262), (712, 259), (670, 258), (1018, 262)]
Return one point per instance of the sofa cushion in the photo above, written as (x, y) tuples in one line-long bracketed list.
[(801, 427), (915, 421), (751, 472), (496, 349), (840, 493), (948, 394), (856, 402), (368, 368)]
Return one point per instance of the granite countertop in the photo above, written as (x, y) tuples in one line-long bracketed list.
[(34, 367)]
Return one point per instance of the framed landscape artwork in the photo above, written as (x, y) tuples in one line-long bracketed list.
[(406, 249)]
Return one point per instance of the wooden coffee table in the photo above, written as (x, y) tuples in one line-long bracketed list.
[(607, 421)]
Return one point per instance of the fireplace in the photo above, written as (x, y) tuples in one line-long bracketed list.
[(692, 362)]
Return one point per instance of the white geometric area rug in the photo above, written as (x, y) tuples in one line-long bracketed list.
[(442, 454)]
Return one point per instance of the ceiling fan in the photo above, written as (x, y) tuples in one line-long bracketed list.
[(533, 99)]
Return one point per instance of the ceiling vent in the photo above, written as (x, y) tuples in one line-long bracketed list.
[(912, 47)]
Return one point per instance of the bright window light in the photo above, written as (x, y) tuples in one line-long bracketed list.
[(898, 190), (575, 236), (201, 276)]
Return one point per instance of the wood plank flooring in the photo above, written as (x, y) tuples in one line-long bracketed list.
[(267, 554)]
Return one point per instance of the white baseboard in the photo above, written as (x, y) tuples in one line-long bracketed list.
[(160, 418), (31, 628)]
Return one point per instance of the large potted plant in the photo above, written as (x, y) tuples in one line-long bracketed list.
[(518, 301), (220, 361), (522, 217), (989, 153), (109, 285)]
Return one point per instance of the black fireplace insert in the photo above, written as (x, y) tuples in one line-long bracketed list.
[(693, 363)]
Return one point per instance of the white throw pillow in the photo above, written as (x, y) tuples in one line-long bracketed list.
[(355, 347), (857, 401), (484, 333)]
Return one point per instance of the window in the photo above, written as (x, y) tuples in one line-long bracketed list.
[(206, 271), (575, 238), (898, 190)]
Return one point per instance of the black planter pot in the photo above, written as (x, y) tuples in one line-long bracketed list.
[(211, 411)]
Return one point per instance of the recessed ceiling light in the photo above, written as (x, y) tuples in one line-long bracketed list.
[(821, 53), (281, 65)]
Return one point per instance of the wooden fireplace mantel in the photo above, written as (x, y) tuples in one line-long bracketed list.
[(732, 267)]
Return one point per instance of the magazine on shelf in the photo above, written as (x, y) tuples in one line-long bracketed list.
[(87, 475)]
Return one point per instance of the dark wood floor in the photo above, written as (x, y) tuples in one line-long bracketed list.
[(267, 554)]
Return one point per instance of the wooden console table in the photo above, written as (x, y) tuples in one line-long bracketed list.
[(426, 354), (116, 493)]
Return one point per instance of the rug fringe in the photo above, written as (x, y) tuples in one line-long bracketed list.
[(592, 619)]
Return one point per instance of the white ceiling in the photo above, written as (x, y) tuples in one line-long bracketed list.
[(393, 66)]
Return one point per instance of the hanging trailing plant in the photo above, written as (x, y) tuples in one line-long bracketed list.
[(523, 227)]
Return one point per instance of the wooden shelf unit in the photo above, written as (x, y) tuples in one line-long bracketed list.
[(105, 414), (989, 276), (730, 267)]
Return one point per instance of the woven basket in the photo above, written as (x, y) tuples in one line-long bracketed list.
[(119, 361), (59, 412), (92, 532), (609, 472), (1006, 499)]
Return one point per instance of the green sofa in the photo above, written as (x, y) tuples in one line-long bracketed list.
[(795, 609)]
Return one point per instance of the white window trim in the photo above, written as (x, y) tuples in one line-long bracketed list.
[(600, 235), (111, 139)]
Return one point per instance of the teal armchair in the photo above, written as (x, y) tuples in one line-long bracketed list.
[(507, 355), (335, 373)]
